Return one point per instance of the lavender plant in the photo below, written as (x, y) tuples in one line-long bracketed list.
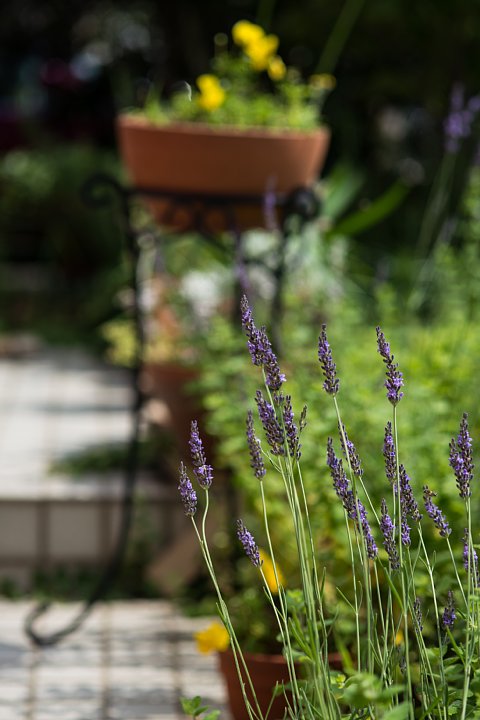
[(414, 651)]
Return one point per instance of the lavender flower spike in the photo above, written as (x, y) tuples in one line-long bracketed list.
[(434, 512), (394, 380), (291, 430), (202, 471), (260, 349), (249, 544), (417, 613), (332, 383), (252, 333), (449, 616), (388, 532), (409, 504), (350, 452), (187, 493), (372, 550), (461, 458), (256, 459), (389, 454), (340, 480), (273, 431)]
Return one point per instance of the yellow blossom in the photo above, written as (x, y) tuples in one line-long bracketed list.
[(323, 81), (276, 68), (214, 637), (269, 572), (212, 95), (399, 637), (261, 51), (245, 32)]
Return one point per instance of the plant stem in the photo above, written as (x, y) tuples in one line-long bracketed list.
[(339, 36)]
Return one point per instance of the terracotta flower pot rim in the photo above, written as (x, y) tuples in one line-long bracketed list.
[(273, 658), (205, 129)]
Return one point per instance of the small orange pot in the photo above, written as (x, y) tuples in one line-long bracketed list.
[(265, 671), (208, 161)]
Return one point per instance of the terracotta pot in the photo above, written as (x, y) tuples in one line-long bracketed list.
[(265, 671), (204, 160)]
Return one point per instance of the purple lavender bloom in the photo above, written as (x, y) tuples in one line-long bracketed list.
[(291, 429), (344, 492), (458, 123), (394, 380), (461, 459), (187, 493), (340, 480), (389, 454), (274, 379), (417, 613), (372, 550), (249, 544), (405, 532), (434, 512), (260, 349), (409, 504), (202, 471), (449, 616), (332, 383), (268, 418), (254, 343), (256, 459), (303, 419), (350, 452), (388, 531), (469, 555)]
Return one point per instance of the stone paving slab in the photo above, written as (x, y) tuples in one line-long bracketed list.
[(129, 661), (53, 403)]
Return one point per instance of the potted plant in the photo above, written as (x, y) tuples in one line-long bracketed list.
[(174, 328), (256, 629), (250, 127), (414, 586)]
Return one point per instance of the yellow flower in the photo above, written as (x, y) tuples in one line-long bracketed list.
[(214, 637), (276, 68), (399, 638), (269, 572), (245, 33), (323, 81), (261, 51), (212, 95)]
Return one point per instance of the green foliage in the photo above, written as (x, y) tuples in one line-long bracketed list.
[(194, 708), (46, 225), (245, 90), (440, 370)]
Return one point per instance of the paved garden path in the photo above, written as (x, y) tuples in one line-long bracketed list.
[(129, 661)]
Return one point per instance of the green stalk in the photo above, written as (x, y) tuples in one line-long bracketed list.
[(402, 570), (468, 658), (283, 628), (363, 549), (236, 649), (339, 36)]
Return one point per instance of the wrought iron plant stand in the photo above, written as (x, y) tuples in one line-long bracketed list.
[(103, 190)]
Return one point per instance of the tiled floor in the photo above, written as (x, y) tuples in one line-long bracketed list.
[(129, 661)]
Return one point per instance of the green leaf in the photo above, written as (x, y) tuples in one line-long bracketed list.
[(377, 211), (400, 712), (212, 715), (193, 706)]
